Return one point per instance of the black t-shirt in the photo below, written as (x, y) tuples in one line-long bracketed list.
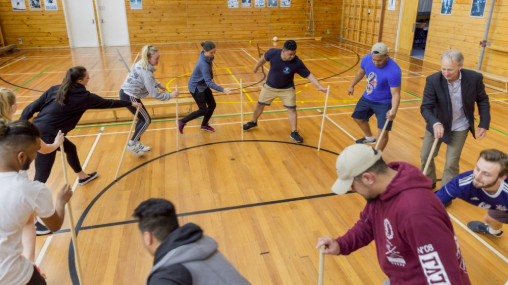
[(281, 74)]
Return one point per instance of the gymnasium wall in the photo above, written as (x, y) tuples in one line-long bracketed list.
[(166, 21), (462, 32), (390, 25), (35, 28), (358, 25)]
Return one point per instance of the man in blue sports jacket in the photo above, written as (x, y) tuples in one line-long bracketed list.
[(487, 187)]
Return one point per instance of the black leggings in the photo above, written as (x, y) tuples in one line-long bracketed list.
[(44, 162), (144, 118), (206, 104)]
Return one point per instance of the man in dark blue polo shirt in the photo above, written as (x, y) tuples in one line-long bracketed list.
[(280, 83)]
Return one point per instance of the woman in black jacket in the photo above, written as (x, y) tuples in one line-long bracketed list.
[(61, 108)]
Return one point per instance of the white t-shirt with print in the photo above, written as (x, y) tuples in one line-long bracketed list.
[(19, 199)]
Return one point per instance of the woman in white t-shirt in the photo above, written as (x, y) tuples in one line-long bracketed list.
[(21, 199)]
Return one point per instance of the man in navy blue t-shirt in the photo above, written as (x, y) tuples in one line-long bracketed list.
[(280, 83), (486, 187), (382, 95)]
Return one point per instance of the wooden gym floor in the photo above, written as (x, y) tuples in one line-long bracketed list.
[(265, 200)]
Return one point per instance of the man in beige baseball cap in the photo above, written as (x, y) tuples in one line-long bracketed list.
[(353, 161), (402, 216), (381, 96)]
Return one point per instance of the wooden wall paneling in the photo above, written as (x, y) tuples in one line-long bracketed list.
[(36, 28)]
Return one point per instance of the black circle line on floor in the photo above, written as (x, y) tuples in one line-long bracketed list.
[(72, 265)]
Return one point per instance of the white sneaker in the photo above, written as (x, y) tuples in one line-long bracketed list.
[(143, 147), (135, 149)]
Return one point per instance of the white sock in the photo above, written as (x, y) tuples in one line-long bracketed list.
[(131, 143), (370, 138), (493, 232)]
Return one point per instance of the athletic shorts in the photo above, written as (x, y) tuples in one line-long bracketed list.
[(287, 96), (500, 216), (366, 108)]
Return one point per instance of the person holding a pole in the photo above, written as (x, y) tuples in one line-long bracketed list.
[(200, 86), (381, 96), (59, 109), (486, 187), (284, 64), (414, 236), (20, 200), (448, 108), (139, 83)]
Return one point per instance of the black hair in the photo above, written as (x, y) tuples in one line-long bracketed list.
[(73, 75), (157, 216), (16, 135), (208, 45), (290, 45)]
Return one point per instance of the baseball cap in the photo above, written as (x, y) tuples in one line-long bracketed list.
[(380, 49), (353, 161)]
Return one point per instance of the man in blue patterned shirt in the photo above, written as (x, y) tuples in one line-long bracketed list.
[(486, 187)]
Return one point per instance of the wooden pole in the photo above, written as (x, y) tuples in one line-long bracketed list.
[(176, 121), (430, 156), (68, 209), (241, 107), (323, 120), (126, 143), (383, 131), (321, 265)]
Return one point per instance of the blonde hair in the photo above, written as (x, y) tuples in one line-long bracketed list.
[(7, 100), (146, 53)]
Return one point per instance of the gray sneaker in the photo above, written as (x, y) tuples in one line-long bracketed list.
[(481, 228), (135, 149), (143, 147)]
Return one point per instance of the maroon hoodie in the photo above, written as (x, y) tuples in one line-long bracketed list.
[(414, 236)]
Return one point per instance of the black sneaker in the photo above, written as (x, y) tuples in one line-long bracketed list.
[(41, 229), (90, 177), (365, 140), (479, 227), (250, 125), (296, 137)]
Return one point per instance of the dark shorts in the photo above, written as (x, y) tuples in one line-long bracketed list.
[(366, 108), (500, 216), (36, 279)]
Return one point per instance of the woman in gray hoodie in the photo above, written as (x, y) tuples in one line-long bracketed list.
[(139, 83), (200, 83)]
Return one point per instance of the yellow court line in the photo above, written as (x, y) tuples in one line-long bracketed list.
[(247, 94), (298, 101), (169, 82)]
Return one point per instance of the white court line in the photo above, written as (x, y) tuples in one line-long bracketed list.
[(134, 62), (63, 71), (479, 238), (256, 60), (23, 57), (48, 240), (338, 126)]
